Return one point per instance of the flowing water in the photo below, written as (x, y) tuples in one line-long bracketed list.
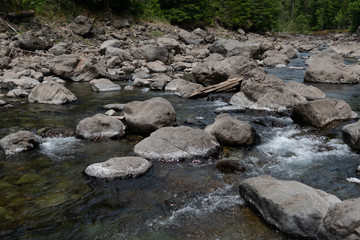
[(46, 195)]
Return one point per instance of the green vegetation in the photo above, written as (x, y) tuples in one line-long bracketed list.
[(251, 15)]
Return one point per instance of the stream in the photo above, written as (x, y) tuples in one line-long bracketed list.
[(46, 195)]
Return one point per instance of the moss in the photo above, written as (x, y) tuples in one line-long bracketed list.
[(28, 178)]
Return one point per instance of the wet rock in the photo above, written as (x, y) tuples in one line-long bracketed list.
[(351, 135), (22, 83), (17, 93), (81, 26), (311, 93), (30, 42), (230, 47), (291, 206), (178, 143), (104, 85), (322, 112), (60, 48), (326, 68), (190, 38), (230, 166), (215, 68), (100, 127), (148, 116), (51, 93), (119, 167), (110, 112), (114, 106), (232, 132), (157, 67), (18, 142), (28, 178), (109, 43), (182, 87), (342, 221)]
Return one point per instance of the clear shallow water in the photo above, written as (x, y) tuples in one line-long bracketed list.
[(45, 194)]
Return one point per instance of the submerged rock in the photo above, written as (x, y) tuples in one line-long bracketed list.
[(178, 143), (230, 166), (322, 112), (119, 167), (230, 131), (51, 93), (351, 134), (148, 116), (342, 222), (100, 126), (18, 142), (291, 206)]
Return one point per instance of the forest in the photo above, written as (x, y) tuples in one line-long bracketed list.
[(293, 16)]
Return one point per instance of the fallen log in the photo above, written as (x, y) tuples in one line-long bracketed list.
[(227, 86)]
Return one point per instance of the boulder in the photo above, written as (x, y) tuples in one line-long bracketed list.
[(114, 106), (328, 67), (230, 166), (190, 38), (120, 54), (178, 143), (232, 132), (100, 126), (157, 67), (311, 93), (351, 135), (119, 167), (147, 116), (291, 206), (322, 112), (231, 47), (17, 93), (18, 142), (30, 42), (104, 85), (81, 26), (22, 83), (60, 49), (273, 58), (169, 43), (182, 87), (51, 93), (152, 53), (215, 68), (342, 222), (109, 43)]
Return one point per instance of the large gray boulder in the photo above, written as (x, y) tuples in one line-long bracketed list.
[(342, 222), (178, 143), (119, 167), (51, 93), (232, 132), (100, 126), (104, 85), (231, 47), (152, 53), (291, 206), (148, 116), (215, 68), (273, 58), (18, 142), (351, 135), (329, 67), (30, 42), (109, 43), (311, 93), (182, 87), (81, 26), (320, 113)]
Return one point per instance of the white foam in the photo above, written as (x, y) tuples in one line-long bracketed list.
[(59, 147)]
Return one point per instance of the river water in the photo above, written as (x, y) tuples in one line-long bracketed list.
[(46, 195)]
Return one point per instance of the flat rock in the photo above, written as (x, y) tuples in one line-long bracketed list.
[(231, 47), (18, 142), (156, 66), (104, 85), (119, 167), (51, 93), (182, 87), (100, 126), (291, 206), (178, 143)]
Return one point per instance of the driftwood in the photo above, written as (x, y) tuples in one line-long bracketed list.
[(6, 23), (227, 86)]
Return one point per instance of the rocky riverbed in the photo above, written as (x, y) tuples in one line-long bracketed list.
[(99, 138)]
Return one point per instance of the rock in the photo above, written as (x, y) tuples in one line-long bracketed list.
[(156, 66), (110, 112), (169, 43), (51, 93), (104, 85), (230, 166), (320, 113), (273, 58), (292, 207), (351, 134), (182, 87), (120, 23), (2, 102), (148, 116), (119, 167), (215, 68), (311, 93), (232, 132), (29, 42), (115, 106), (152, 53), (60, 49), (177, 143), (18, 142), (100, 127), (22, 83), (231, 47), (81, 26), (120, 54), (328, 68), (158, 85), (342, 222), (4, 63), (190, 38), (109, 43), (289, 51), (17, 93)]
